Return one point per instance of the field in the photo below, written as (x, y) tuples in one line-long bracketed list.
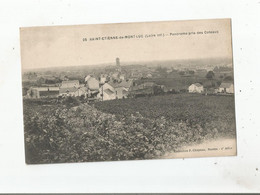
[(192, 109), (181, 83), (66, 130)]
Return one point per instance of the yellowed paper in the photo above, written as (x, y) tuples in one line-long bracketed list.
[(129, 91)]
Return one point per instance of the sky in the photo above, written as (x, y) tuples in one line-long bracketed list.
[(58, 46)]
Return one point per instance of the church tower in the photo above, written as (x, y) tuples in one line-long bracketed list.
[(118, 64)]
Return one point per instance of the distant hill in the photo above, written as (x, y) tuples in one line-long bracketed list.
[(207, 63)]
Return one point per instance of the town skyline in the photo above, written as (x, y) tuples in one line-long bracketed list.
[(187, 63)]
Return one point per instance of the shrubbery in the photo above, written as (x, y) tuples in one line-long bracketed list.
[(57, 133)]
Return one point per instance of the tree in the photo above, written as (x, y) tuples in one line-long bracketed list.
[(216, 69), (181, 73), (191, 72), (210, 75), (162, 71)]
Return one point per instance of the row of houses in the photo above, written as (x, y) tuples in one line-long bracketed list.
[(104, 89), (225, 87), (92, 88)]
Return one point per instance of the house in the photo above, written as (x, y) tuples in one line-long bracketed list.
[(107, 86), (73, 91), (70, 91), (147, 88), (121, 88), (106, 92), (87, 78), (108, 95), (122, 77), (82, 91), (70, 84), (103, 78), (72, 88), (196, 88), (43, 92), (121, 92), (226, 88), (92, 83)]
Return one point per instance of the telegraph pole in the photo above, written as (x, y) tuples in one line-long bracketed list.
[(102, 93)]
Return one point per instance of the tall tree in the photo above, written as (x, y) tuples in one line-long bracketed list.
[(210, 75)]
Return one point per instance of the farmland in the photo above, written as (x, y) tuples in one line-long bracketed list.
[(213, 112), (67, 130), (178, 83)]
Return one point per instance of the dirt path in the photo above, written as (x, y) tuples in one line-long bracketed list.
[(220, 147)]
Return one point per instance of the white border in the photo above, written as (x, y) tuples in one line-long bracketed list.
[(221, 174)]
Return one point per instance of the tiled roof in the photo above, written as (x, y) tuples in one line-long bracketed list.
[(87, 78), (46, 88), (69, 84), (108, 91), (66, 90), (197, 85), (70, 81)]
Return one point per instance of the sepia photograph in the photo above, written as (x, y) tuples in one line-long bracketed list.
[(128, 91)]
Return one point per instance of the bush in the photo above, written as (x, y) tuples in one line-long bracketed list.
[(56, 133), (71, 101)]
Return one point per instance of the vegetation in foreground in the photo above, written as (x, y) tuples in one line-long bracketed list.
[(59, 131)]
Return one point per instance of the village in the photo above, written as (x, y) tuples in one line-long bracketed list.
[(120, 82)]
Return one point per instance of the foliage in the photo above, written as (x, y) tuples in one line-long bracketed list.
[(145, 129), (162, 71), (210, 75), (71, 101)]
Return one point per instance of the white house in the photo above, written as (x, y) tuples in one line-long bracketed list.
[(106, 92), (108, 95), (226, 88), (70, 84), (82, 91), (195, 88), (68, 88), (121, 88), (122, 77), (72, 88), (121, 92), (87, 78), (103, 78), (68, 91)]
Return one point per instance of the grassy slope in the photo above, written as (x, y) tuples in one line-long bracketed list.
[(192, 108), (59, 132)]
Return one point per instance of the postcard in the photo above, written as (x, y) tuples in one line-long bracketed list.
[(128, 91)]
